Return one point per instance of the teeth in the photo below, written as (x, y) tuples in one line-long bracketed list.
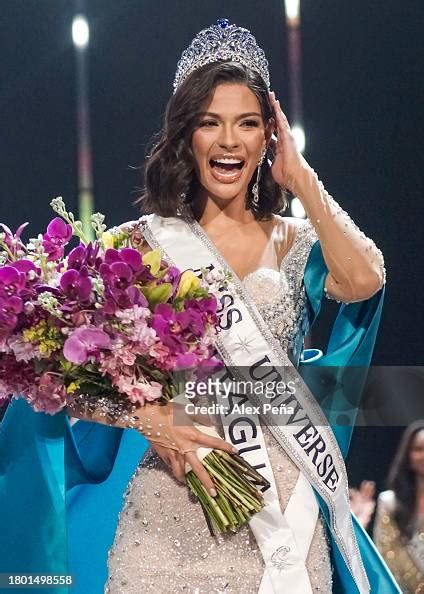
[(228, 161)]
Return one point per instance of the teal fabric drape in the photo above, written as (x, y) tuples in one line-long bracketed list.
[(336, 379), (33, 528), (61, 488), (100, 462), (61, 491)]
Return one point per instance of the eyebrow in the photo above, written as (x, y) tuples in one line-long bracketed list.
[(240, 117)]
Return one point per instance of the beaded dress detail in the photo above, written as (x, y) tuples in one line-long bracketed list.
[(162, 543)]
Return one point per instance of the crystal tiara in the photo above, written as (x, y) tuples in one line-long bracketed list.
[(222, 42)]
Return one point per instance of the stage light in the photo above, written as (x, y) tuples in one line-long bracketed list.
[(296, 208), (292, 9), (80, 31), (299, 136)]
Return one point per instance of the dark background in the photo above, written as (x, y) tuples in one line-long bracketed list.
[(363, 73)]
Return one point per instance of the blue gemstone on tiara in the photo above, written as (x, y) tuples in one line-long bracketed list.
[(222, 42)]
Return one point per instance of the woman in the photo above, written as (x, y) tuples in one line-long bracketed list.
[(214, 199), (399, 524)]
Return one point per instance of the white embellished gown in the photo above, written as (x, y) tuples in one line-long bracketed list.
[(162, 543)]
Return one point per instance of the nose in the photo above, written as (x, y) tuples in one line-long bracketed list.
[(228, 138)]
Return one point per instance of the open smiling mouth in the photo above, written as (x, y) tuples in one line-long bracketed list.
[(226, 169)]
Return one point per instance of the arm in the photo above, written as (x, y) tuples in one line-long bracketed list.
[(355, 264), (169, 430)]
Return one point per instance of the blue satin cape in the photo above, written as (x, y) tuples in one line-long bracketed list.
[(61, 488)]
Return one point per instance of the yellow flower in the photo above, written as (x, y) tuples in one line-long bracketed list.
[(73, 387), (47, 338), (188, 283), (153, 259), (108, 240)]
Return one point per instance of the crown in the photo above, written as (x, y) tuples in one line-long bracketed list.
[(222, 42)]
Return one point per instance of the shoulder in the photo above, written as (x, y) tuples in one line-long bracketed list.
[(296, 228), (296, 234)]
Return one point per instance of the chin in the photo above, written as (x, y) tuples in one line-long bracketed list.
[(225, 191)]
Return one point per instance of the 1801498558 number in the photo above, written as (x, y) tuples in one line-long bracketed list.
[(14, 580)]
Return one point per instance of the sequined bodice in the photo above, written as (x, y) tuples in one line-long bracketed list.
[(162, 543), (280, 295)]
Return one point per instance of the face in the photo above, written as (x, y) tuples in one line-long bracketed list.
[(228, 141), (416, 453)]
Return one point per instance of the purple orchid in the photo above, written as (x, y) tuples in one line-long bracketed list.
[(172, 276), (169, 325), (10, 307), (58, 235), (25, 266), (11, 281), (12, 239), (84, 342), (118, 277), (206, 308), (116, 299), (131, 258), (187, 361), (85, 255), (76, 284)]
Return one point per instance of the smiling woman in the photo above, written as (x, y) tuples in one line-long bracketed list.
[(214, 202), (222, 112), (228, 142)]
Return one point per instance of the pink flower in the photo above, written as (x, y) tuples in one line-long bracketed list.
[(138, 390), (23, 351), (50, 395), (84, 342)]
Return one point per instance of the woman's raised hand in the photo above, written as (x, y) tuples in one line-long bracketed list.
[(288, 159)]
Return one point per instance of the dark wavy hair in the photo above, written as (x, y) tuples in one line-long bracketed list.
[(169, 173), (403, 481)]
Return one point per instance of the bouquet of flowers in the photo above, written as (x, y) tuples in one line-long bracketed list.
[(106, 322)]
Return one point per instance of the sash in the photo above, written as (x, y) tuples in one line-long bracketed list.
[(304, 434)]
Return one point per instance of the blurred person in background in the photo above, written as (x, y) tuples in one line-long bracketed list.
[(399, 523)]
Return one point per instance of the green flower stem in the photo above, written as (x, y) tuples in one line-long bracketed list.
[(222, 501), (241, 477), (239, 462), (237, 504), (247, 486), (226, 482), (210, 501)]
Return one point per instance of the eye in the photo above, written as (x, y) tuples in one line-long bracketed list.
[(250, 123), (207, 123)]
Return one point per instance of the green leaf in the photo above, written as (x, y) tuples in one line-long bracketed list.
[(157, 294)]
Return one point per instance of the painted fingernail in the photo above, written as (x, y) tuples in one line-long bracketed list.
[(213, 492)]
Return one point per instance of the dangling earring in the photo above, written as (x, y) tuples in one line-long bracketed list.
[(181, 204), (255, 188)]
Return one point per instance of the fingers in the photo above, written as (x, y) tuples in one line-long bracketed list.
[(178, 467), (281, 119), (210, 441), (201, 473), (173, 460)]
